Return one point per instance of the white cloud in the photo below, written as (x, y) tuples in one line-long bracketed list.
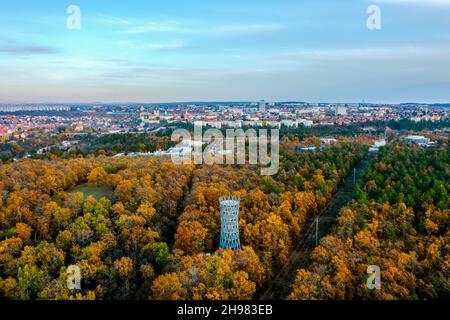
[(154, 27), (27, 49), (240, 29), (165, 46), (143, 45), (417, 2), (189, 28), (114, 19)]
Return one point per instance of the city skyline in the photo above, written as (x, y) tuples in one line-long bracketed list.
[(158, 53), (202, 103)]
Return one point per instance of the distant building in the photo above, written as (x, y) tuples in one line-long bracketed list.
[(233, 124), (305, 149), (190, 143), (68, 144), (78, 128), (262, 106), (380, 143), (288, 123), (369, 129), (19, 108), (416, 119), (306, 123), (328, 140), (149, 117), (419, 140), (375, 148), (213, 124), (340, 111), (175, 152)]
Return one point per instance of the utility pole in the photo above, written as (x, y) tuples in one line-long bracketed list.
[(317, 230), (354, 176)]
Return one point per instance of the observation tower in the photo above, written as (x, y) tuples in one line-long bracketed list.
[(229, 229)]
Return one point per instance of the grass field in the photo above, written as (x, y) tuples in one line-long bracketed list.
[(96, 192)]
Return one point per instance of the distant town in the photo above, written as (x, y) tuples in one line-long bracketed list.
[(23, 120), (37, 129)]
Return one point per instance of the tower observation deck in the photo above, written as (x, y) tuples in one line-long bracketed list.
[(229, 230)]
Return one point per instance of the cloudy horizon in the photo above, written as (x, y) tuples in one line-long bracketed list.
[(291, 50)]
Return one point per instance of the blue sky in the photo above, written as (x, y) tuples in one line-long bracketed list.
[(204, 50)]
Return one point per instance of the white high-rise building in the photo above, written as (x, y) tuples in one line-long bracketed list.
[(340, 111), (262, 106)]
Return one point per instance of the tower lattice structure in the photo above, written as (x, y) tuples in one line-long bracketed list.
[(229, 230)]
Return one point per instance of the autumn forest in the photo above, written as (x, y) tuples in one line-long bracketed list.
[(154, 231)]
